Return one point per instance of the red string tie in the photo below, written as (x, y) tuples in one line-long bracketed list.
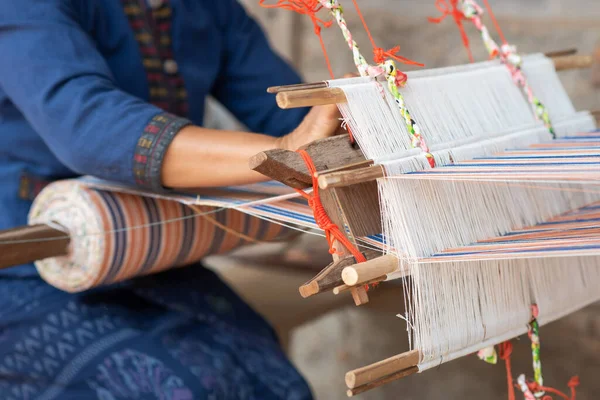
[(504, 352), (332, 231), (310, 8), (457, 14)]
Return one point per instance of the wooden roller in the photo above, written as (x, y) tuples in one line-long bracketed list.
[(30, 243)]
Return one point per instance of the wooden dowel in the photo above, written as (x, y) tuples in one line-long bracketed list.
[(359, 295), (31, 243), (380, 382), (343, 288), (353, 166), (382, 369), (370, 269), (324, 95), (560, 53), (323, 84), (572, 62), (596, 114), (310, 97), (347, 178), (299, 86)]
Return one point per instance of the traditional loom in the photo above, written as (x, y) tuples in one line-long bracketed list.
[(86, 232), (471, 197)]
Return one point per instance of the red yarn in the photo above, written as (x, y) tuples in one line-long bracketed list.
[(310, 8), (493, 17), (573, 383), (332, 231), (380, 55), (456, 13), (505, 351)]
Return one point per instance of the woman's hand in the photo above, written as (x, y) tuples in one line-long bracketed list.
[(319, 123)]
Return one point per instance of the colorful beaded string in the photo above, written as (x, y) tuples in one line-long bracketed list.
[(387, 67), (469, 10)]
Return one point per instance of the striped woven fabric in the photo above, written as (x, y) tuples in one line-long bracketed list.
[(117, 236)]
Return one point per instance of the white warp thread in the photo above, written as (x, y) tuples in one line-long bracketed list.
[(464, 112)]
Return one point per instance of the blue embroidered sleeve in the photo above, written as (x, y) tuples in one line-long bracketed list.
[(51, 70), (249, 67)]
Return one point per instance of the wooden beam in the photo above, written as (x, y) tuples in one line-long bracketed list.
[(381, 369), (289, 168), (326, 95), (354, 177), (31, 243)]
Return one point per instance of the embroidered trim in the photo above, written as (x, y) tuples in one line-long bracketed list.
[(152, 30), (30, 186), (151, 148)]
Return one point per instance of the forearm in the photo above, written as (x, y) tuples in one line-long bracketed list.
[(200, 157)]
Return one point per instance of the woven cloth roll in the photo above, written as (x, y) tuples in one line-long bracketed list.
[(116, 236)]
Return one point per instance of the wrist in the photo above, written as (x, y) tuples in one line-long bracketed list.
[(287, 142)]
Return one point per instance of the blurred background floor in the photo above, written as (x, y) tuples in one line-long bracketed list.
[(327, 335)]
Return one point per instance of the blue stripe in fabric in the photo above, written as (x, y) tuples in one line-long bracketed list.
[(118, 218), (536, 157), (155, 234), (548, 250), (188, 226)]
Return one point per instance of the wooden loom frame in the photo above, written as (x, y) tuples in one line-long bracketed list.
[(348, 189)]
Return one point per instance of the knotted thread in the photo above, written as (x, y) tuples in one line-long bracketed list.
[(379, 54), (332, 231), (504, 352), (310, 8), (454, 11)]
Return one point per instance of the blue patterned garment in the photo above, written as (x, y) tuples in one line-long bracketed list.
[(101, 87), (178, 335)]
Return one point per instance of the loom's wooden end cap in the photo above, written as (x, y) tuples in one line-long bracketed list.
[(350, 276), (350, 379), (596, 66), (309, 289)]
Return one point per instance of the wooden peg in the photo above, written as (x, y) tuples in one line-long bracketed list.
[(310, 97), (381, 369), (299, 86), (560, 53), (380, 382), (563, 63), (596, 67), (343, 288), (331, 276), (31, 243), (361, 273), (359, 295)]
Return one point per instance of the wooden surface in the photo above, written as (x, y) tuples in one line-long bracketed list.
[(31, 243), (289, 168)]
